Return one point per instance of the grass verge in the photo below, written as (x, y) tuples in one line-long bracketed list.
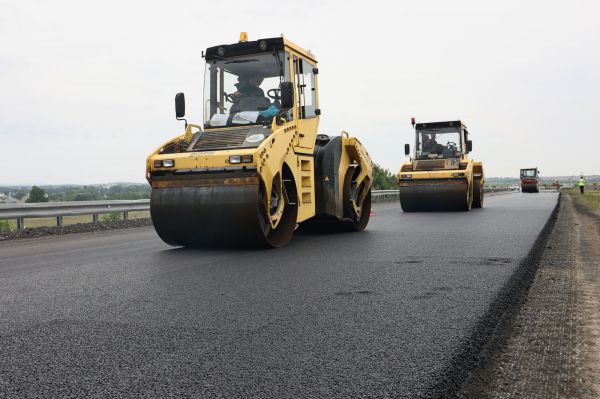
[(590, 197)]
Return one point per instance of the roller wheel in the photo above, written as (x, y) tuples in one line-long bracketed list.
[(357, 204), (407, 205), (438, 196), (279, 212), (227, 215), (469, 204), (478, 194)]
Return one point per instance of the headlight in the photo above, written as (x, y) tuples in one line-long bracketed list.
[(240, 159), (165, 163), (406, 176), (458, 174)]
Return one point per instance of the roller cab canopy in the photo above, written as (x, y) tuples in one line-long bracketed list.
[(529, 173), (441, 140), (255, 47), (251, 82)]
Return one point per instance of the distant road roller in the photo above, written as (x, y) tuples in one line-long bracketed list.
[(440, 176), (257, 167), (530, 182)]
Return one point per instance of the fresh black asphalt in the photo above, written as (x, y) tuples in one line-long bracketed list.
[(389, 312)]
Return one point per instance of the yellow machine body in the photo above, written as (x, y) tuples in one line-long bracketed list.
[(252, 183), (444, 179)]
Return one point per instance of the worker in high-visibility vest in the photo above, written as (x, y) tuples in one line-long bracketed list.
[(581, 184)]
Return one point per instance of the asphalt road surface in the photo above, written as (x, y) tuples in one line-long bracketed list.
[(390, 312)]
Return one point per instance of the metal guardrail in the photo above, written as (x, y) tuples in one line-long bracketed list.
[(394, 195), (385, 195), (490, 190), (20, 212), (58, 210)]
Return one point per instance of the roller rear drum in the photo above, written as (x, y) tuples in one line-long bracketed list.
[(224, 215), (435, 195)]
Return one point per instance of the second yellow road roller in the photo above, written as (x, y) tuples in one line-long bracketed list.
[(440, 176), (257, 167)]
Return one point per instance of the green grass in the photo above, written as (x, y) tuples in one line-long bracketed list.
[(590, 197), (4, 226), (111, 217)]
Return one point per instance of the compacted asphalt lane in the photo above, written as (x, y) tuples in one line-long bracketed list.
[(391, 311)]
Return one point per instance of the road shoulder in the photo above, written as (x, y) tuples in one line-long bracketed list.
[(549, 345)]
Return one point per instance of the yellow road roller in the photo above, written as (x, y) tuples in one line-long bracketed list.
[(257, 167), (440, 176)]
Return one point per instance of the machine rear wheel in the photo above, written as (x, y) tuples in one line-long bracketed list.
[(283, 194), (477, 194), (469, 204), (357, 204), (359, 222)]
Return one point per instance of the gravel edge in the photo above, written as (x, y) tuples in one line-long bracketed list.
[(549, 347), (73, 229), (476, 349)]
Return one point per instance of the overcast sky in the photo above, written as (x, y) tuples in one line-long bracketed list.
[(87, 88)]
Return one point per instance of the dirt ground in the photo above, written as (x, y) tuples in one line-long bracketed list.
[(549, 347)]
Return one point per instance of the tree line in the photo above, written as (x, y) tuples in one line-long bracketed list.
[(79, 193), (383, 179)]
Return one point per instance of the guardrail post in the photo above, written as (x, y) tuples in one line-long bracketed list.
[(59, 221), (125, 215), (94, 217), (20, 223)]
